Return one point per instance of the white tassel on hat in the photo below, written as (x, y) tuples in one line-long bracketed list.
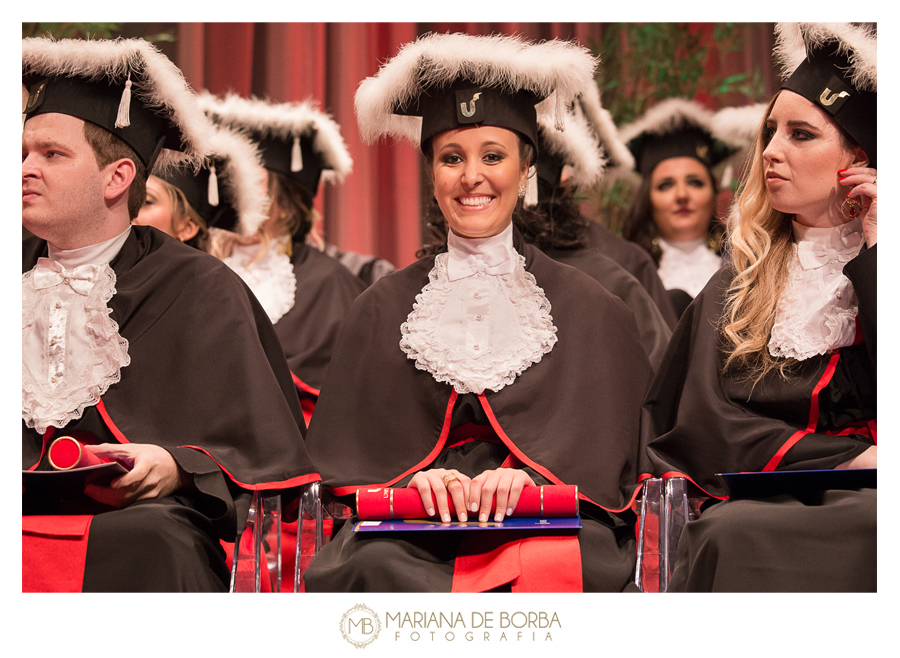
[(531, 189), (213, 190), (296, 156), (123, 117)]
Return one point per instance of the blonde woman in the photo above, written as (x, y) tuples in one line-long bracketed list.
[(773, 368)]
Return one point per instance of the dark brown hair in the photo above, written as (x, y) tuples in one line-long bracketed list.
[(109, 148)]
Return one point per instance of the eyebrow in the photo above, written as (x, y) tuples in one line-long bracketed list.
[(794, 123), (483, 144), (44, 143)]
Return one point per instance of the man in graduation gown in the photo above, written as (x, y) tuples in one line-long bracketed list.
[(147, 351)]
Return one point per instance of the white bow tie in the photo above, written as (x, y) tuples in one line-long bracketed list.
[(814, 255), (49, 273)]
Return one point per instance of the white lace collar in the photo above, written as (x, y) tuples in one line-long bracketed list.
[(482, 330), (817, 309), (687, 265), (271, 277), (71, 349)]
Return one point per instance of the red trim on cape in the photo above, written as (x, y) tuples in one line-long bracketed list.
[(679, 474), (543, 470), (262, 486), (303, 386), (813, 414), (442, 439)]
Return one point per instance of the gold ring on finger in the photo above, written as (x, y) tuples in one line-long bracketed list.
[(448, 478)]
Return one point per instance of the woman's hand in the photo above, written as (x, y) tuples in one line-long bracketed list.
[(864, 188), (868, 459), (504, 483), (442, 482), (154, 473)]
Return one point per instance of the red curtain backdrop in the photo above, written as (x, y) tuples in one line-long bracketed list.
[(376, 210)]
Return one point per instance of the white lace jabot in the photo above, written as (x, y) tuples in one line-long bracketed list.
[(71, 349), (481, 320), (818, 307), (271, 277), (687, 265)]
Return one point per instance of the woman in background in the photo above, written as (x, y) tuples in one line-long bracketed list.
[(673, 214)]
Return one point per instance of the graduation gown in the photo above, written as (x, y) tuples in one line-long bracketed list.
[(637, 262), (702, 422), (308, 332), (208, 382), (572, 417), (654, 330)]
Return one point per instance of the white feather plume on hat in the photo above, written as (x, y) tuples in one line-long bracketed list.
[(668, 116), (558, 70), (244, 176), (857, 41), (738, 126), (164, 84), (601, 122), (577, 147), (285, 121)]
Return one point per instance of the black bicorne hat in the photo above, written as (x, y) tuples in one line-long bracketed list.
[(126, 87), (674, 128), (465, 103), (834, 65), (445, 81), (296, 140), (229, 191)]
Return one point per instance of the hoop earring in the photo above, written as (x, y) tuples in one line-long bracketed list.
[(851, 208)]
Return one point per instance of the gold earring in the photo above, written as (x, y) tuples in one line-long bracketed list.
[(522, 190), (851, 208)]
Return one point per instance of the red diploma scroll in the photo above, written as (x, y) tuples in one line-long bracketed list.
[(67, 452), (548, 501)]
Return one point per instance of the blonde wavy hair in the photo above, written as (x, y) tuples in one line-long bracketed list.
[(183, 211), (760, 240)]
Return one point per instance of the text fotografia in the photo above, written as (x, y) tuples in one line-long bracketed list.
[(476, 627)]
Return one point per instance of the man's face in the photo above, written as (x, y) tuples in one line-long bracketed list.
[(62, 186)]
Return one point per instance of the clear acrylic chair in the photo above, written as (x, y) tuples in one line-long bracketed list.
[(258, 545), (665, 507), (318, 512)]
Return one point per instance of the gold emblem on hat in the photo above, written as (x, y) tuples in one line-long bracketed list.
[(702, 150), (33, 97), (825, 99), (471, 111)]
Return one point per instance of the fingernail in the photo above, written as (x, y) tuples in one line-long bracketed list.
[(462, 516), (509, 511), (430, 511), (498, 516), (841, 171), (474, 507), (482, 518), (446, 518)]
